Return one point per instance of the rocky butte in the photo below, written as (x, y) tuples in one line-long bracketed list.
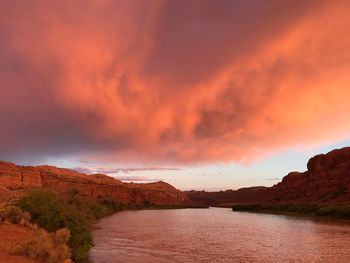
[(326, 181), (15, 179)]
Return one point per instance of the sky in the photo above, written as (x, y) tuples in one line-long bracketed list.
[(202, 94)]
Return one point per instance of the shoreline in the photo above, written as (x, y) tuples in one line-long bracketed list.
[(316, 211), (153, 207)]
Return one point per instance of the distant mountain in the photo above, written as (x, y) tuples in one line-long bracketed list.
[(327, 180)]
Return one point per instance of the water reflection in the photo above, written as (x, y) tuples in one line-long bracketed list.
[(217, 235)]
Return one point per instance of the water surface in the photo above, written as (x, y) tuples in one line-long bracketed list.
[(217, 235)]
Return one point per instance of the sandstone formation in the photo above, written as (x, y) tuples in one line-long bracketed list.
[(15, 179), (327, 180)]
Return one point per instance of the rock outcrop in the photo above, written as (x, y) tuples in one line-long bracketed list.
[(16, 179), (327, 180)]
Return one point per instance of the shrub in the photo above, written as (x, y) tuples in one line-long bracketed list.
[(93, 210), (14, 215), (62, 236), (45, 247), (329, 210), (338, 211), (81, 238), (45, 208), (52, 213), (111, 205), (89, 208), (72, 193)]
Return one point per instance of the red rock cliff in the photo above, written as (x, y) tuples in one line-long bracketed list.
[(327, 180), (15, 179)]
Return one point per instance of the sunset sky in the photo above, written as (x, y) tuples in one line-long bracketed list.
[(202, 94)]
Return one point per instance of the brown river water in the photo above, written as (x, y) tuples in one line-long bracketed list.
[(217, 235)]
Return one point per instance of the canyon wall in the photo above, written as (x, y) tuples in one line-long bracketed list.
[(15, 179), (327, 180)]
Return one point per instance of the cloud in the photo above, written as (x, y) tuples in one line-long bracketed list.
[(129, 170), (172, 81), (137, 179), (87, 170), (273, 179)]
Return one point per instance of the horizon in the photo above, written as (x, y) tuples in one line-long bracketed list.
[(199, 95), (267, 182)]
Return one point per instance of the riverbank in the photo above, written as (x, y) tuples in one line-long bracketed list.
[(163, 207), (51, 212), (332, 211), (59, 198)]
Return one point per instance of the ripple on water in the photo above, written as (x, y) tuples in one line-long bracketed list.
[(217, 235)]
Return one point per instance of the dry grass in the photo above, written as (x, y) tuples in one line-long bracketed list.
[(14, 215), (46, 247)]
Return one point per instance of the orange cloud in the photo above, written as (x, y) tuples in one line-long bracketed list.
[(173, 81)]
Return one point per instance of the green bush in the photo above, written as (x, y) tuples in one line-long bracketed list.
[(45, 208), (339, 211), (111, 205), (89, 208), (329, 210), (51, 212)]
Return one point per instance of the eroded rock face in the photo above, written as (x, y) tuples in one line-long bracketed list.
[(18, 178), (14, 177), (327, 180)]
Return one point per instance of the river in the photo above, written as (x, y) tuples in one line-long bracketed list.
[(217, 235)]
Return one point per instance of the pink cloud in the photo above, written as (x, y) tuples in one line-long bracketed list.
[(137, 179), (126, 170), (172, 81)]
